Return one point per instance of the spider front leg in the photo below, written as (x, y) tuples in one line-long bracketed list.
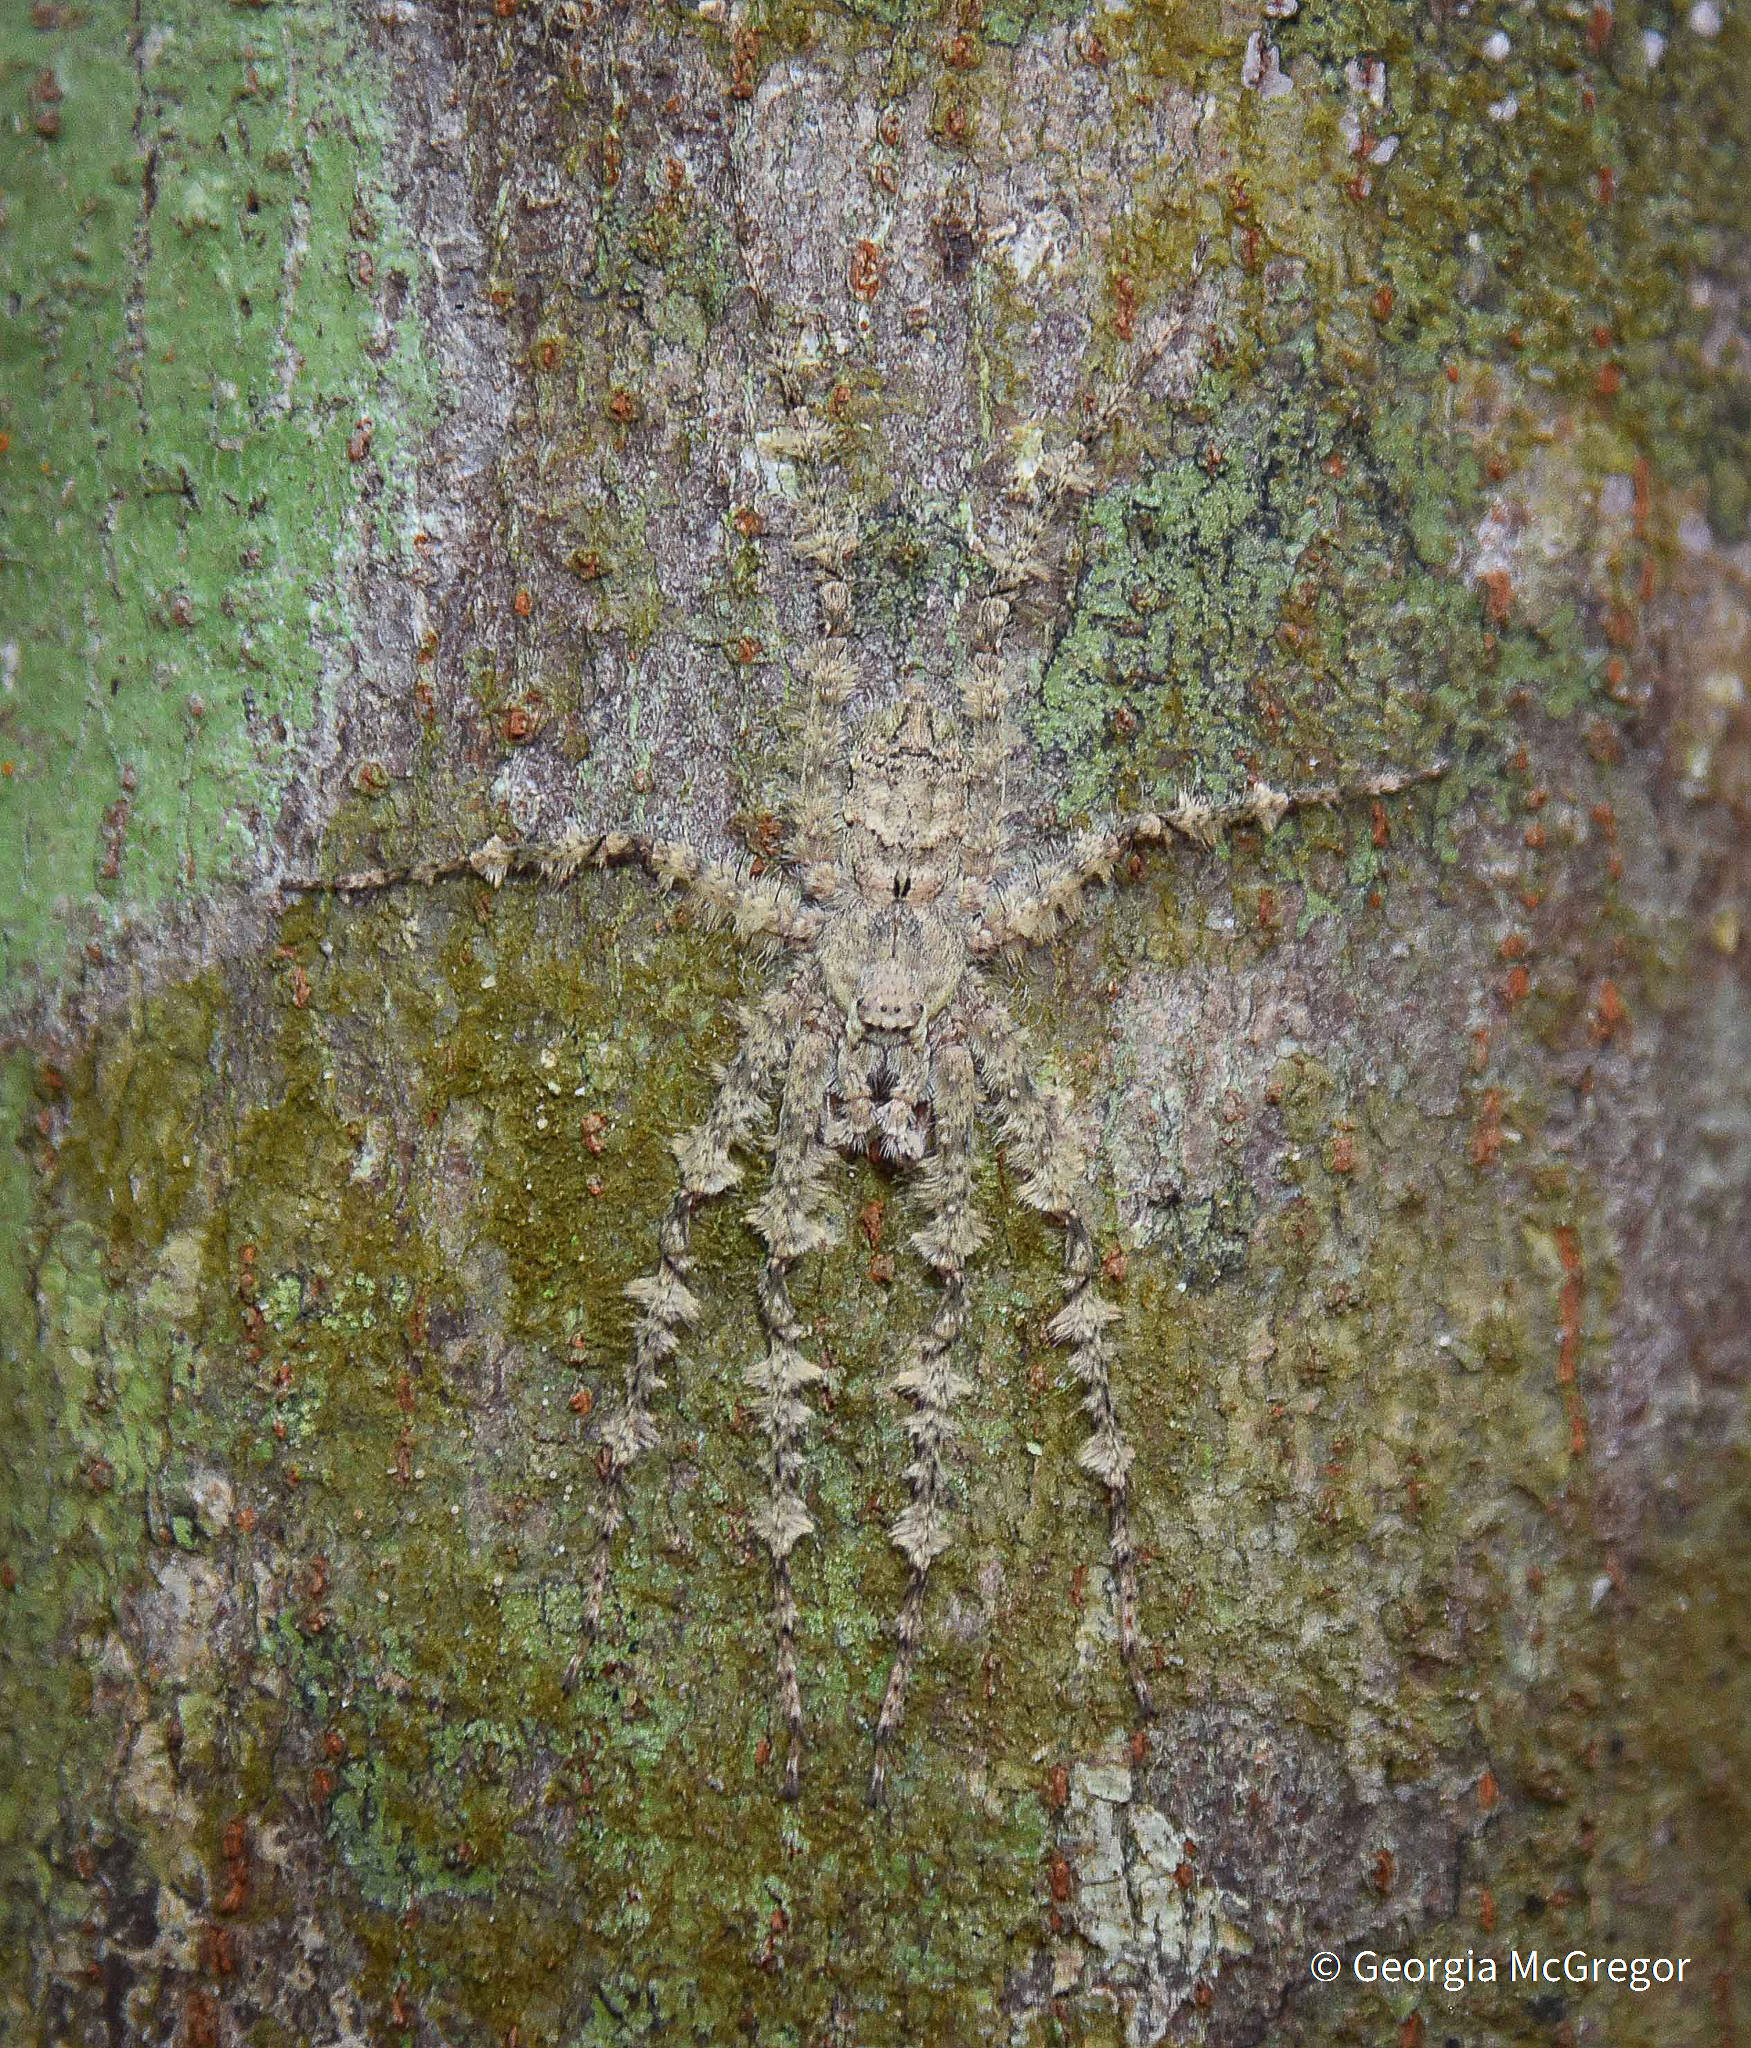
[(930, 1382), (758, 906), (667, 1307), (1034, 904), (786, 1216), (1033, 1128), (830, 672), (986, 690)]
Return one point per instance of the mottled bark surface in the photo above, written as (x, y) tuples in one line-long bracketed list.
[(389, 460)]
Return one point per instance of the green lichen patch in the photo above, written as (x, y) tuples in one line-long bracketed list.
[(1554, 201), (1250, 607), (211, 393), (381, 1306)]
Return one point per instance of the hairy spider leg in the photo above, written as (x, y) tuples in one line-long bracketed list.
[(902, 1074), (851, 1102), (667, 1307), (1018, 551), (787, 1217), (830, 674), (987, 690), (1040, 899), (929, 1382), (756, 906), (824, 535), (1032, 1126)]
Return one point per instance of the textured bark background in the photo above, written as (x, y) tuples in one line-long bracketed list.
[(383, 466)]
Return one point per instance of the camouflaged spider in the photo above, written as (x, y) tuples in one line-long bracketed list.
[(899, 884)]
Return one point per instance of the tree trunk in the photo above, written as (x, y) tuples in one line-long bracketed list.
[(423, 425)]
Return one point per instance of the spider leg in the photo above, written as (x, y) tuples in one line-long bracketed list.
[(851, 1126), (667, 1307), (902, 1118), (786, 1217), (823, 534), (930, 1382), (830, 673), (1019, 552), (987, 690), (763, 906), (1039, 900), (1033, 1126)]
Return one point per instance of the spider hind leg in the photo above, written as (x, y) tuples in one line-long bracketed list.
[(667, 1307), (787, 1217), (929, 1381), (1033, 1127)]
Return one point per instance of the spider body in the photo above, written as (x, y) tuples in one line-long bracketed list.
[(894, 945)]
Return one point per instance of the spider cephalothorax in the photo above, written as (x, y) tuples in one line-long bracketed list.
[(893, 948)]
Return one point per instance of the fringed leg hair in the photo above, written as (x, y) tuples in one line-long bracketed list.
[(1032, 1125), (667, 1307), (929, 1382), (786, 1217)]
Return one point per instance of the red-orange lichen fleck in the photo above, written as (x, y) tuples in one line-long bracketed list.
[(1609, 1013), (1486, 1135)]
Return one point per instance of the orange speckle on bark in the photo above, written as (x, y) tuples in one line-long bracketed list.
[(1609, 1013), (1486, 1135), (866, 270)]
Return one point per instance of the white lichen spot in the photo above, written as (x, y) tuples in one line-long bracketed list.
[(1617, 497), (1036, 242), (1496, 47), (1261, 69), (1653, 48), (1367, 76), (1705, 19), (1503, 109), (213, 1501)]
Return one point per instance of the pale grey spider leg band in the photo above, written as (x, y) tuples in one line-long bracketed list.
[(1034, 904), (830, 672), (667, 1307), (1032, 1125), (987, 691), (787, 1218), (729, 892), (929, 1382)]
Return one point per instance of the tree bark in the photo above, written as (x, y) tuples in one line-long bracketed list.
[(401, 441)]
